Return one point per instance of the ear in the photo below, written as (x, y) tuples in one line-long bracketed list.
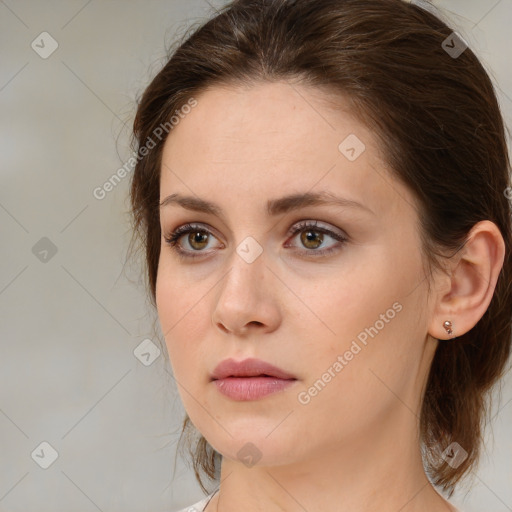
[(465, 294)]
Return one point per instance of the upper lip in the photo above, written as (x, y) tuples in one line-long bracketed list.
[(248, 368)]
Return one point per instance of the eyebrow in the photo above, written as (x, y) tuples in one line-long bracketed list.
[(274, 206)]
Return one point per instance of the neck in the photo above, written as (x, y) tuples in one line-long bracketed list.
[(379, 470)]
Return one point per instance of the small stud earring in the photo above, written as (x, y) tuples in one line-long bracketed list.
[(448, 327)]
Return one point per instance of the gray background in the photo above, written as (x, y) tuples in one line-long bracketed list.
[(70, 321)]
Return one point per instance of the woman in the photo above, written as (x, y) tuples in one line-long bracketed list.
[(321, 195)]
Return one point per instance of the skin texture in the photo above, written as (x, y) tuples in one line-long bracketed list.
[(354, 446)]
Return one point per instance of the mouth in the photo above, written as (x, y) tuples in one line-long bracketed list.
[(250, 367), (250, 379), (245, 388), (258, 375)]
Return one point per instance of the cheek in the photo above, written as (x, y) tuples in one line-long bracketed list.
[(373, 317), (171, 314), (348, 302), (173, 296), (357, 379), (182, 314)]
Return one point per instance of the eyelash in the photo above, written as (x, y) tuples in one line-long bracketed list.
[(173, 238)]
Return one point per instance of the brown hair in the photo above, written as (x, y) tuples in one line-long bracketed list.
[(440, 129)]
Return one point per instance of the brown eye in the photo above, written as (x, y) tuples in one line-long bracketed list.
[(198, 237), (312, 239)]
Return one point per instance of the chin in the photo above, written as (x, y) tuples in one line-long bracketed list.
[(258, 450)]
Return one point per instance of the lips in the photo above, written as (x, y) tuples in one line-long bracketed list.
[(249, 368)]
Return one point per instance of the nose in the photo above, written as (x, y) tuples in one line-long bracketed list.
[(247, 298)]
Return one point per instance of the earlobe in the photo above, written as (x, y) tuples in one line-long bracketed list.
[(472, 283), (448, 327)]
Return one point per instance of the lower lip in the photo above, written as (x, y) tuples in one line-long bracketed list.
[(251, 388)]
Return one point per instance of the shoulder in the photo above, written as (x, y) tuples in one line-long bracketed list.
[(199, 506)]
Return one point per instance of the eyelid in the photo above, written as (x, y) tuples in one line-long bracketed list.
[(298, 226), (309, 223)]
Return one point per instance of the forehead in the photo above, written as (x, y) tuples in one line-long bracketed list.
[(275, 138), (272, 119)]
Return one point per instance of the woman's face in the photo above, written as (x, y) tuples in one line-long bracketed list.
[(348, 319)]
